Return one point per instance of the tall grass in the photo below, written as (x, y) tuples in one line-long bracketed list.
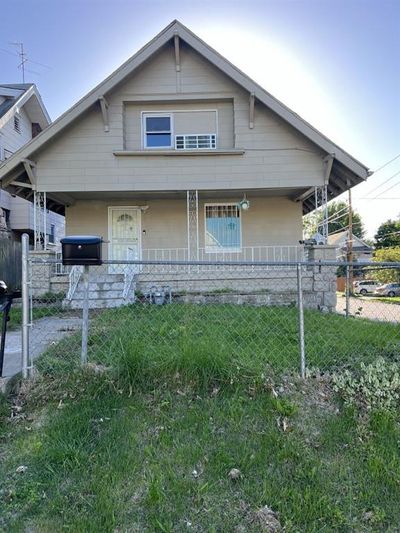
[(148, 346)]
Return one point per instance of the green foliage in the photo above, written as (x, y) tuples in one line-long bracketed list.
[(312, 221), (376, 385), (388, 255), (388, 234)]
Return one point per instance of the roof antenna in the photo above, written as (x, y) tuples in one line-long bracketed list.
[(23, 58)]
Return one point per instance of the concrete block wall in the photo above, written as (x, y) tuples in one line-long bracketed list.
[(41, 272)]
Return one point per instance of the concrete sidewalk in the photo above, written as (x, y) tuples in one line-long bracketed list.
[(46, 331)]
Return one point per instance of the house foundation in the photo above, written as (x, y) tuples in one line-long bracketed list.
[(253, 285)]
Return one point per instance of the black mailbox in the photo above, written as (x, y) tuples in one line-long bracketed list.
[(81, 250)]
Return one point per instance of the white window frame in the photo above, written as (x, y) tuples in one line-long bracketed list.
[(155, 114), (211, 250)]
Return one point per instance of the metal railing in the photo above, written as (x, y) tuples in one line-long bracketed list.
[(276, 253)]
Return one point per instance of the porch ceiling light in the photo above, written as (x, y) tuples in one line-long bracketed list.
[(244, 204)]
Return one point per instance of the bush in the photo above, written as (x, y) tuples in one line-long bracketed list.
[(388, 255), (376, 385)]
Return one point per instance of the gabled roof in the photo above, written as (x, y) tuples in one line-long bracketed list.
[(342, 236), (346, 170), (18, 95)]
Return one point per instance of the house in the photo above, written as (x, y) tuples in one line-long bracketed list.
[(179, 155), (22, 117), (362, 252)]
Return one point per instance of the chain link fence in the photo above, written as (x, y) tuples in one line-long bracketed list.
[(284, 317)]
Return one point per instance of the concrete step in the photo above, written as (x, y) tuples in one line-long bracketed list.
[(93, 294), (101, 278), (99, 303), (101, 287)]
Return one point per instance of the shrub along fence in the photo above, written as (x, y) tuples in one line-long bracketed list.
[(152, 317)]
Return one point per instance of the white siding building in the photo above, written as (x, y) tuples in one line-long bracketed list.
[(22, 117)]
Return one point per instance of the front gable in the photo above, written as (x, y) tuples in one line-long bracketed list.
[(98, 144)]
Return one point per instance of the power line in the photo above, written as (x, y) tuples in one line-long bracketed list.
[(383, 183), (389, 189), (386, 164), (345, 228)]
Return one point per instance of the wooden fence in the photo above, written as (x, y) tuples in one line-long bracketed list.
[(10, 263)]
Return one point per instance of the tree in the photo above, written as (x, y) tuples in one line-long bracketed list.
[(387, 255), (338, 219), (388, 234)]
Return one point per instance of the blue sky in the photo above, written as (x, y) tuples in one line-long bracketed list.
[(336, 63)]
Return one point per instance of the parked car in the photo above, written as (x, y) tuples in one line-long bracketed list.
[(365, 286), (388, 289)]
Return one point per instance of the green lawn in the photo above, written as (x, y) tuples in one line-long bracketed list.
[(152, 340), (181, 394)]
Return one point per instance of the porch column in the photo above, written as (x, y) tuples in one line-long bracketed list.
[(321, 204), (192, 207), (40, 220)]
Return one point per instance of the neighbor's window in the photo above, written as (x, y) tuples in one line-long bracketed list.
[(17, 124), (223, 231), (52, 234), (157, 131)]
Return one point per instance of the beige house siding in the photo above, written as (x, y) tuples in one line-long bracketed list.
[(270, 221), (82, 158)]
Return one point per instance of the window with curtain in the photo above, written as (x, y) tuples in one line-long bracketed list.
[(223, 227)]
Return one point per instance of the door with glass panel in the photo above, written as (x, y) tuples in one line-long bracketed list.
[(124, 236)]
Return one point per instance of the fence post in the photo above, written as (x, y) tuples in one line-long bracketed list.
[(301, 322), (85, 314), (347, 291), (25, 306)]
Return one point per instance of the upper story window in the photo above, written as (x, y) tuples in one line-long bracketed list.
[(17, 124), (177, 129), (157, 130)]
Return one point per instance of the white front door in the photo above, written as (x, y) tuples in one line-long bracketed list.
[(124, 235)]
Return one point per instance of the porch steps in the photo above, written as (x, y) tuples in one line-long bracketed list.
[(106, 291)]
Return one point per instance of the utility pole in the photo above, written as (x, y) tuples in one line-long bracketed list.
[(350, 243)]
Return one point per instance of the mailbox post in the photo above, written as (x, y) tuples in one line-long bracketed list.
[(83, 250)]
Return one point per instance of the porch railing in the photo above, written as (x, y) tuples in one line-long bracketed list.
[(247, 253), (289, 253)]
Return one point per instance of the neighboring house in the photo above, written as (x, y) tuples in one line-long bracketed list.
[(164, 156), (22, 117), (362, 252)]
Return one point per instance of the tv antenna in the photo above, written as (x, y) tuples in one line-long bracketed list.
[(23, 58)]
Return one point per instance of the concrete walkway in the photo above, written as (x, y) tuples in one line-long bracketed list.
[(368, 307), (44, 332)]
